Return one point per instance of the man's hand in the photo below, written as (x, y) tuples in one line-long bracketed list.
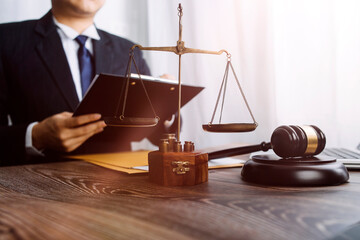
[(65, 133)]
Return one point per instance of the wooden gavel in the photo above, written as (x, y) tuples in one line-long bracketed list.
[(286, 141)]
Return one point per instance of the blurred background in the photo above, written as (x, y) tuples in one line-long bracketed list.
[(298, 61)]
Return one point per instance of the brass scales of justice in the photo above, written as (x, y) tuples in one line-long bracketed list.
[(172, 165)]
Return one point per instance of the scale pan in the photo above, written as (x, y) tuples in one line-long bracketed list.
[(230, 127), (130, 121)]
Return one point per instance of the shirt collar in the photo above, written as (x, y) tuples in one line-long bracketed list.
[(90, 32)]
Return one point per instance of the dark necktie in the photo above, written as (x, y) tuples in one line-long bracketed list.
[(85, 64)]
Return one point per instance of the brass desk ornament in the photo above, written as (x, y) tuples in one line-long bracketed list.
[(179, 50), (183, 167)]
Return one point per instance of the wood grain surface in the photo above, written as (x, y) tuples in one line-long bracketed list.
[(78, 200)]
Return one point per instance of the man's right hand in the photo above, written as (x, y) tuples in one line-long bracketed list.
[(65, 133)]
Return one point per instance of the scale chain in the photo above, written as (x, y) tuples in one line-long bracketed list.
[(223, 100), (219, 95), (242, 93), (128, 75), (128, 70)]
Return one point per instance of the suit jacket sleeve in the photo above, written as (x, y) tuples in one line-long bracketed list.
[(12, 138)]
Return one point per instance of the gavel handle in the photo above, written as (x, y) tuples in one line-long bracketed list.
[(239, 150)]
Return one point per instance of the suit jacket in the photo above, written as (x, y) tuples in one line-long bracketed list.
[(36, 82)]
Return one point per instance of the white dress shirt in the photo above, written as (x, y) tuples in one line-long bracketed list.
[(67, 36)]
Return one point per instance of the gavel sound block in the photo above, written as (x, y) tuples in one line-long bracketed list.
[(295, 163)]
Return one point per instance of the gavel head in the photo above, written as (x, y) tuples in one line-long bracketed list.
[(297, 141)]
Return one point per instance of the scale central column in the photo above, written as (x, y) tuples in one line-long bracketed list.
[(179, 103)]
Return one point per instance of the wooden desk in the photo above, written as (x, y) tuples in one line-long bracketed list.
[(77, 200)]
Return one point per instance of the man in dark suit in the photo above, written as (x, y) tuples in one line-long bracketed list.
[(39, 83)]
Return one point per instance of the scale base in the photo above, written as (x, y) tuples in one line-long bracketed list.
[(178, 168), (269, 169)]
